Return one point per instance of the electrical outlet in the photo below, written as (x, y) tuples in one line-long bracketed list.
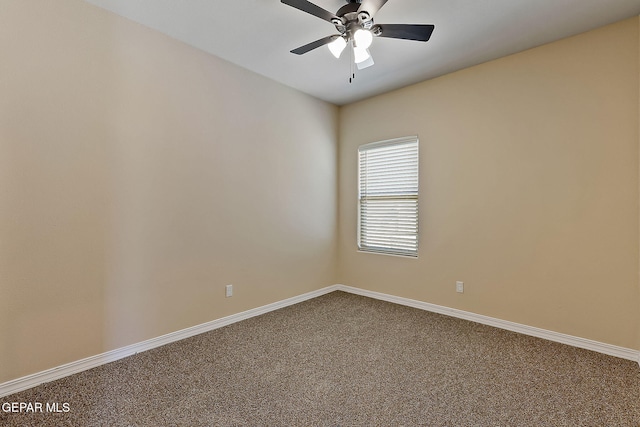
[(460, 287), (228, 291)]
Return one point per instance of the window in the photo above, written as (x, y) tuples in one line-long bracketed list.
[(388, 197)]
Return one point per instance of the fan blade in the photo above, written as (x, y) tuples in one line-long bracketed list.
[(371, 6), (417, 32), (313, 45), (311, 8)]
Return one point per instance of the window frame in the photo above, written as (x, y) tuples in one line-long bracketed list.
[(390, 250)]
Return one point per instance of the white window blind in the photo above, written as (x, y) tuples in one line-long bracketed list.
[(388, 197)]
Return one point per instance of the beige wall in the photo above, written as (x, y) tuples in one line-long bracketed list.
[(138, 176), (528, 187)]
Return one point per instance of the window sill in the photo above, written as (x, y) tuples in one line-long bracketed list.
[(363, 251)]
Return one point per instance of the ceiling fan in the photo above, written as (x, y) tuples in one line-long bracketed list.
[(354, 22)]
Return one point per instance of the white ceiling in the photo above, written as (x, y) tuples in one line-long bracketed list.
[(258, 35)]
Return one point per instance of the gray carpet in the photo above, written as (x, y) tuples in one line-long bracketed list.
[(346, 360)]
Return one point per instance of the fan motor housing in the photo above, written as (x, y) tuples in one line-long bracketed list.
[(350, 17), (348, 8)]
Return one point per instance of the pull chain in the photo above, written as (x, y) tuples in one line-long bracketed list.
[(352, 73)]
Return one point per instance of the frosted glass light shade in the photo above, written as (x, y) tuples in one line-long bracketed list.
[(363, 38), (337, 46), (366, 63), (360, 54)]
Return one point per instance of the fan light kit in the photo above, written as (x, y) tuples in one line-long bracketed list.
[(354, 22)]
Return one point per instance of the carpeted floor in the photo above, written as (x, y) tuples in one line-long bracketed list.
[(347, 360)]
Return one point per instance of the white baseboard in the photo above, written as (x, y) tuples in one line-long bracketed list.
[(62, 371), (611, 350)]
